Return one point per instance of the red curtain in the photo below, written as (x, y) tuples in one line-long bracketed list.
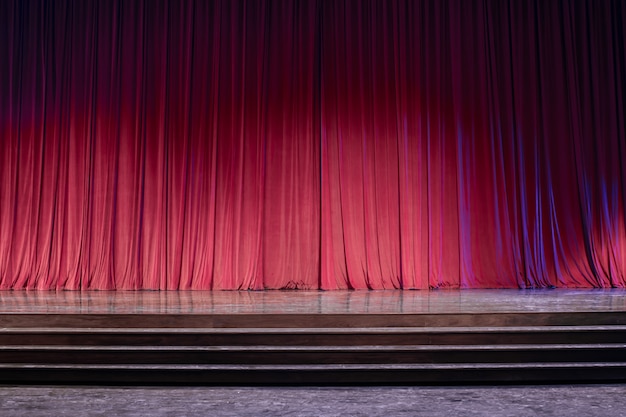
[(312, 144)]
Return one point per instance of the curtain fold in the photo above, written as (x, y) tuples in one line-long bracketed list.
[(277, 144)]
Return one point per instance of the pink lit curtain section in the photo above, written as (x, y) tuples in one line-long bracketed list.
[(312, 144)]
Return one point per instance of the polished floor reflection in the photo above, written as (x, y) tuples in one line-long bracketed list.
[(311, 302)]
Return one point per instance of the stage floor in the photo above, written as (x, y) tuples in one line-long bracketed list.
[(313, 302), (312, 337)]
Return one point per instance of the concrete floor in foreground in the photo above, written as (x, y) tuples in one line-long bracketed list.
[(561, 400)]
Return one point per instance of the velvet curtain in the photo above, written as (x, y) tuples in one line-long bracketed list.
[(312, 144)]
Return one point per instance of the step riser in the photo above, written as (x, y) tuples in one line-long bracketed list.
[(310, 320), (348, 339), (21, 375), (312, 357)]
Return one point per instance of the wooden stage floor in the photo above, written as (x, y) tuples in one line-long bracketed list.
[(312, 337), (312, 302)]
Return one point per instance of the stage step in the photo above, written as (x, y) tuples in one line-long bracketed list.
[(313, 349), (338, 374), (281, 355), (313, 336), (313, 320)]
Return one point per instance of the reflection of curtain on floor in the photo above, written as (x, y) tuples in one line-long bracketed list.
[(312, 144)]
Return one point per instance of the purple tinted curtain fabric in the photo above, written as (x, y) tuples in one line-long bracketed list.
[(367, 144)]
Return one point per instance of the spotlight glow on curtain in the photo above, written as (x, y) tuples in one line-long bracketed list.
[(312, 144)]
